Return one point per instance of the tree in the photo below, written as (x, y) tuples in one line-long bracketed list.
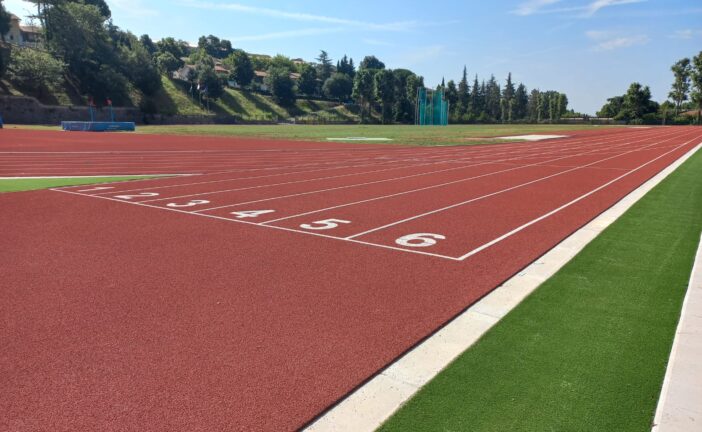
[(100, 4), (696, 76), (403, 111), (363, 90), (345, 66), (612, 108), (148, 44), (242, 70), (371, 62), (136, 63), (4, 21), (177, 48), (209, 84), (681, 84), (281, 85), (534, 106), (35, 70), (508, 99), (463, 94), (637, 103), (307, 84), (492, 99), (476, 105), (521, 102), (217, 48), (452, 98), (384, 83), (167, 63), (338, 86), (324, 68)]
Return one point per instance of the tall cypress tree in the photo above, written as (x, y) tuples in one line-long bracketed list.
[(464, 94)]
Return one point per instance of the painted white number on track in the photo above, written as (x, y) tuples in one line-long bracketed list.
[(324, 224), (250, 213), (419, 240), (139, 195), (96, 189), (188, 204)]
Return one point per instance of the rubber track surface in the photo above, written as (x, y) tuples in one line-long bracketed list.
[(124, 317)]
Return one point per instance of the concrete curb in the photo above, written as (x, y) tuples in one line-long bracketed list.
[(370, 405), (680, 405)]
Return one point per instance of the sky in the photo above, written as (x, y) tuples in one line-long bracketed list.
[(589, 49)]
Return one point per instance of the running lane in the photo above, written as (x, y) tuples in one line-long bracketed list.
[(120, 317)]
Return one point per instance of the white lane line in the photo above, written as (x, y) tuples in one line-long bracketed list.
[(564, 206), (516, 167), (257, 224), (503, 190), (330, 177), (369, 406), (399, 178), (471, 156)]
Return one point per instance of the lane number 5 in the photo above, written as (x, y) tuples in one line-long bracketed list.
[(324, 224)]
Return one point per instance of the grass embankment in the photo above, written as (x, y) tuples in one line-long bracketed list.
[(399, 134), (587, 351), (20, 184)]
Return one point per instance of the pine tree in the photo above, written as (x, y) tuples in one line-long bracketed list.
[(464, 94), (507, 99)]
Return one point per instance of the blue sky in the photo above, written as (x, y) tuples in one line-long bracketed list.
[(589, 49)]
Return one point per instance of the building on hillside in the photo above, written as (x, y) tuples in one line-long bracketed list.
[(298, 61), (185, 73), (259, 79), (26, 36)]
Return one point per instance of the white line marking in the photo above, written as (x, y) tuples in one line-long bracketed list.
[(502, 191), (368, 407), (410, 176), (564, 206)]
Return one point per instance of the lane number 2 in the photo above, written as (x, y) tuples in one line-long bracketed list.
[(139, 195), (251, 213), (324, 224), (191, 203), (419, 239)]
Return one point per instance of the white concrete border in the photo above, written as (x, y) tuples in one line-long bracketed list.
[(369, 406), (680, 405)]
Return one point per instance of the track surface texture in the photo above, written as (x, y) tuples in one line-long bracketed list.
[(179, 304)]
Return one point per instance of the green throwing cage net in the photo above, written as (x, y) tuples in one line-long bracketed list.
[(432, 107)]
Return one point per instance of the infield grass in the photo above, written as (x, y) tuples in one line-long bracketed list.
[(587, 351), (21, 184)]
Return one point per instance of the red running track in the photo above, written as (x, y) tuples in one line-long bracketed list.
[(123, 313)]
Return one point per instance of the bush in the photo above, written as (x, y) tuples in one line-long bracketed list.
[(35, 70), (281, 86)]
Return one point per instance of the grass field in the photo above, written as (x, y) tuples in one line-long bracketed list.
[(587, 351), (399, 134), (19, 184)]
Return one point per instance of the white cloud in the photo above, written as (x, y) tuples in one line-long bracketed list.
[(301, 16), (608, 40), (686, 34), (533, 6), (377, 42), (597, 5), (587, 10), (286, 34)]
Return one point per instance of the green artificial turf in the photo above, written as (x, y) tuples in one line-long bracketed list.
[(587, 351), (399, 134), (20, 184)]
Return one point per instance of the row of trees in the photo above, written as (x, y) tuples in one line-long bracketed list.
[(636, 106), (487, 102)]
